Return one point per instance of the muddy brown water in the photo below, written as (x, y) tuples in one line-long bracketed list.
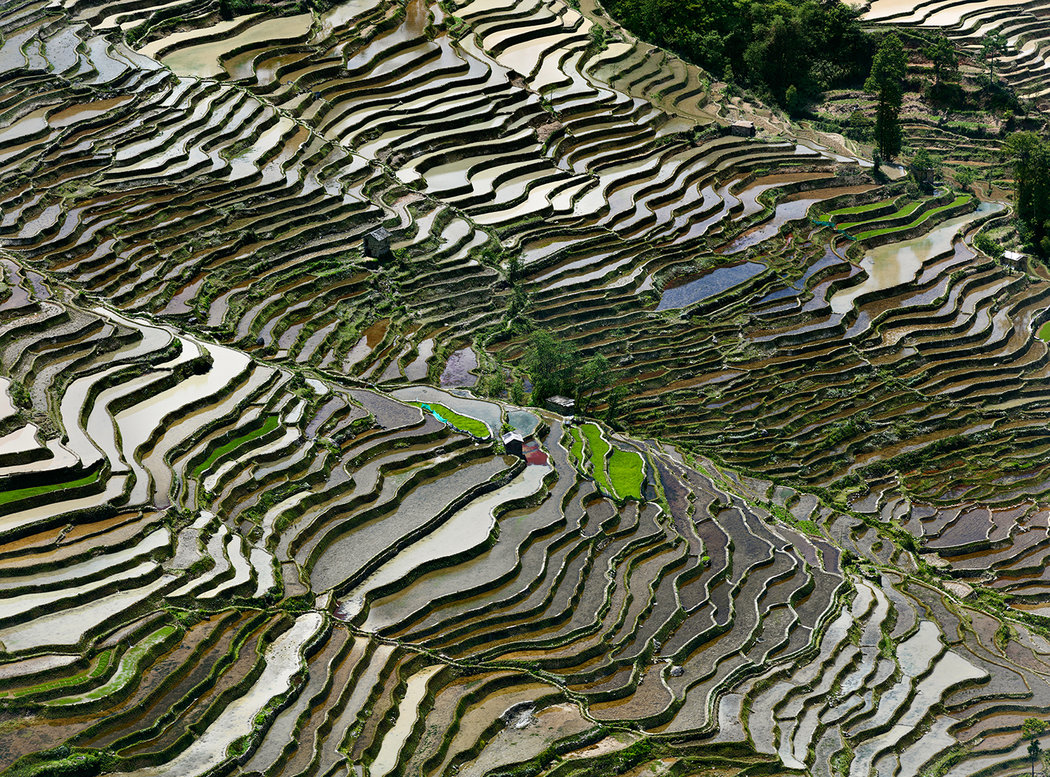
[(367, 342), (21, 735), (144, 708), (86, 111), (228, 679)]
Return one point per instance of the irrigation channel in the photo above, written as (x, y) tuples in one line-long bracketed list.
[(257, 515)]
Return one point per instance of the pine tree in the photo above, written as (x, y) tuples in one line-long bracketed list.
[(886, 82)]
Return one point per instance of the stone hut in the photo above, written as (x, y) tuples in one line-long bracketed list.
[(377, 243), (742, 129), (562, 405), (514, 444)]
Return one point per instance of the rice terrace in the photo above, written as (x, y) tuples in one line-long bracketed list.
[(524, 387)]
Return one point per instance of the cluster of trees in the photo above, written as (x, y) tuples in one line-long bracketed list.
[(1029, 155), (944, 59), (555, 367), (786, 51), (789, 52)]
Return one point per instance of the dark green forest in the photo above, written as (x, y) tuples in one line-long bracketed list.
[(783, 51)]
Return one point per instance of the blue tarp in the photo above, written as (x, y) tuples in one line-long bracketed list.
[(434, 413), (842, 232)]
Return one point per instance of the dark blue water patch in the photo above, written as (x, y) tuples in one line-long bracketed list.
[(829, 259), (787, 291), (783, 213), (715, 282)]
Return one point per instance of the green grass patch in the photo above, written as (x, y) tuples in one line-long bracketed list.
[(126, 671), (626, 473), (462, 422), (26, 493), (1044, 331), (218, 453), (809, 527), (102, 663), (598, 447), (926, 215)]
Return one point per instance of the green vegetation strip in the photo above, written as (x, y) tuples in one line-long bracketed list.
[(127, 669), (927, 214), (1044, 331), (625, 472), (463, 423), (26, 493), (576, 449), (102, 664), (907, 210), (266, 428), (598, 447)]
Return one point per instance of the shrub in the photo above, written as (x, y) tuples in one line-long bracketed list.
[(988, 246), (20, 395)]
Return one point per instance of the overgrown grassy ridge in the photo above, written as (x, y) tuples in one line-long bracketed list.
[(576, 446), (268, 426), (226, 547)]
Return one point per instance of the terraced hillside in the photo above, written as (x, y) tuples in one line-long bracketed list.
[(1022, 25), (214, 554), (251, 523)]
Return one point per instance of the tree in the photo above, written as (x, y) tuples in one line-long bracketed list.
[(616, 397), (944, 58), (923, 168), (775, 58), (965, 177), (1034, 751), (593, 376), (1029, 155), (551, 365), (519, 301), (993, 46), (988, 246), (517, 393), (767, 44), (1033, 727), (514, 267), (886, 82)]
